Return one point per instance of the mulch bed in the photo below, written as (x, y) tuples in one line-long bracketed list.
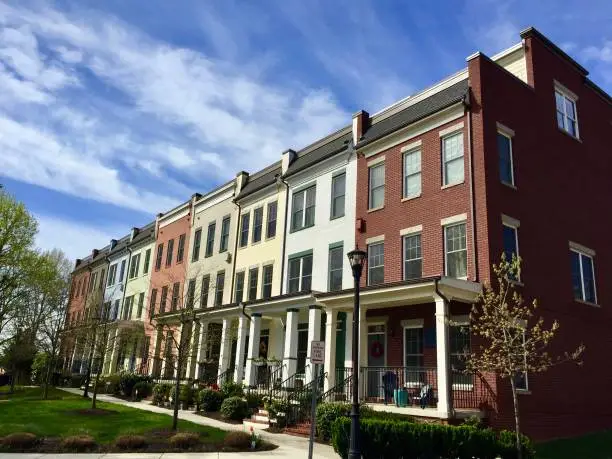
[(217, 417)]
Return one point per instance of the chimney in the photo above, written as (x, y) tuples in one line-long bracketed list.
[(286, 159), (361, 121), (242, 179), (157, 218), (77, 263), (133, 234), (94, 253), (113, 243)]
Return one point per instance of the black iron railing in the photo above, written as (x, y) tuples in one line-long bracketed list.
[(290, 384), (418, 385), (300, 400), (225, 376), (342, 390), (471, 390)]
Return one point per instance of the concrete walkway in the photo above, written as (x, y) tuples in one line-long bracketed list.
[(289, 446)]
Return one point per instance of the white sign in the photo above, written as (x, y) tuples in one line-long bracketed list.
[(317, 352)]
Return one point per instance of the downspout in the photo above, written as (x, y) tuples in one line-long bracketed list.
[(280, 177), (235, 249), (468, 108), (127, 276)]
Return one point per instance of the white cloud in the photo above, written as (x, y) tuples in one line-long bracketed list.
[(601, 54), (490, 24)]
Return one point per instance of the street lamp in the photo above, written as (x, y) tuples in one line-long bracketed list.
[(356, 259)]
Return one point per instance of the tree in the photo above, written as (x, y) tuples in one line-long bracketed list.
[(514, 342)]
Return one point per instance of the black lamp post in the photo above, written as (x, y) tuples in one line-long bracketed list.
[(357, 259)]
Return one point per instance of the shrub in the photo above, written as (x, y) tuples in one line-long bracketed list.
[(254, 400), (112, 384), (278, 410), (234, 408), (76, 380), (507, 440), (210, 400), (127, 382), (238, 440), (184, 440), (232, 389), (20, 440), (186, 394), (79, 443), (161, 393), (143, 388), (127, 442)]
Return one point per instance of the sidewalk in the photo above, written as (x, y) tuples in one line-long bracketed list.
[(289, 446)]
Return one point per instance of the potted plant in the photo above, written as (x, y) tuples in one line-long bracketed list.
[(260, 361)]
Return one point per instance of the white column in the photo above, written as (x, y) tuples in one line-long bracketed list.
[(74, 354), (226, 343), (442, 355), (184, 347), (114, 350), (330, 349), (192, 358), (84, 359), (348, 342), (253, 350), (291, 342), (201, 351), (314, 334), (240, 346), (363, 351)]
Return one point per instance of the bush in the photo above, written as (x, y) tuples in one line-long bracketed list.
[(128, 442), (79, 443), (234, 408), (161, 393), (184, 440), (127, 382), (143, 388), (232, 389), (254, 400), (278, 410), (112, 385), (210, 400), (507, 440), (76, 380), (186, 394), (406, 439), (20, 440), (238, 440)]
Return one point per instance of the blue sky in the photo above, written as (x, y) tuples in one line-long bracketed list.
[(113, 111)]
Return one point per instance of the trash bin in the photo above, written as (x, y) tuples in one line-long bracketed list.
[(402, 398)]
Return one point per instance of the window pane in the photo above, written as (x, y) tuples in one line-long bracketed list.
[(294, 275), (509, 235), (376, 262), (412, 173), (267, 281), (377, 186), (196, 245), (225, 229), (456, 251), (505, 162), (335, 268), (210, 239), (253, 279), (297, 210), (271, 226), (412, 257), (338, 187), (569, 109), (454, 171), (238, 295), (452, 154), (244, 232), (560, 101), (309, 217), (306, 273), (576, 277), (588, 279), (560, 120)]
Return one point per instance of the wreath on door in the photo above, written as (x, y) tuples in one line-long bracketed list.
[(376, 350)]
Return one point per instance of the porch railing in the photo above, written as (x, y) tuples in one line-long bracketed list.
[(290, 384), (419, 385), (225, 376), (471, 390), (343, 389), (300, 400)]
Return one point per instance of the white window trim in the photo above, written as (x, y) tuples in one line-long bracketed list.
[(411, 230), (505, 130), (574, 98), (592, 257), (369, 266), (442, 139), (445, 227), (509, 221), (510, 137), (375, 239), (404, 260), (376, 163), (405, 153), (453, 219), (451, 130), (411, 146), (581, 248)]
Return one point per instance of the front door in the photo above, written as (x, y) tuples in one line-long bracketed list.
[(376, 360)]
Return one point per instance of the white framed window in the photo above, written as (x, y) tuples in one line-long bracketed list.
[(460, 347), (376, 184), (567, 118), (413, 354), (338, 191), (506, 162), (412, 173), (376, 263), (583, 276), (521, 380), (303, 208), (300, 273), (452, 159), (413, 257), (455, 250), (510, 239)]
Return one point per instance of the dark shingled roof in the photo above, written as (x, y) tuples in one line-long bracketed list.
[(319, 154), (260, 180), (121, 245), (146, 232), (418, 111)]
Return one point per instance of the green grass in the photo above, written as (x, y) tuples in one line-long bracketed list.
[(592, 446), (58, 417)]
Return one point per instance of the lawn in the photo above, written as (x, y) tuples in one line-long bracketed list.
[(593, 446)]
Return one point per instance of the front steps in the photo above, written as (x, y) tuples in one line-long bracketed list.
[(259, 420)]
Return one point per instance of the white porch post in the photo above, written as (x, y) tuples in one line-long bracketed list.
[(363, 351), (201, 350), (348, 342), (192, 359), (74, 353), (114, 351), (240, 345), (253, 350), (330, 349), (225, 349), (180, 344), (314, 334), (442, 354), (291, 342)]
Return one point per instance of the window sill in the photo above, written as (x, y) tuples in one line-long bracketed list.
[(270, 238), (523, 392), (450, 185), (255, 243), (331, 217), (577, 139), (301, 229), (240, 247), (374, 209), (410, 198), (223, 251), (595, 305), (509, 185)]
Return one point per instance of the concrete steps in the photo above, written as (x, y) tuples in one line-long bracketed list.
[(259, 420)]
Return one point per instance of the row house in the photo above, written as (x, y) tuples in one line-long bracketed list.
[(506, 156)]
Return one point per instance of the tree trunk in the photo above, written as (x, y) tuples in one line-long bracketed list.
[(176, 401), (45, 394), (517, 420)]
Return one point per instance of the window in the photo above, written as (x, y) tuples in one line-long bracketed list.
[(253, 278), (190, 293), (510, 241), (336, 257), (121, 273), (181, 249), (300, 273), (412, 173), (197, 239), (521, 381), (266, 287), (134, 266), (452, 159), (506, 167), (455, 246), (152, 303), (376, 263), (239, 292), (459, 336), (107, 311), (163, 299), (244, 229), (271, 225), (303, 209), (112, 273), (127, 308), (566, 113), (158, 259), (140, 305), (338, 190), (102, 280), (219, 288), (376, 183), (176, 287), (583, 277), (257, 224), (204, 291), (169, 252), (225, 231), (210, 239), (147, 260), (413, 350), (413, 259), (116, 309)]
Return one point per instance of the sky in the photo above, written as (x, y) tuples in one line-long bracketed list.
[(113, 111)]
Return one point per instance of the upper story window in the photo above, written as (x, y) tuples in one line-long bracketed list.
[(210, 239), (147, 261), (140, 305), (219, 288), (413, 257), (510, 238), (163, 299), (271, 224), (253, 279), (376, 184), (225, 231), (303, 208), (181, 249), (376, 263), (455, 249), (204, 291), (244, 229), (134, 266), (152, 302), (300, 273), (336, 257), (112, 274), (158, 258), (121, 273), (338, 191), (169, 252), (257, 224), (239, 292), (506, 165), (583, 274), (452, 159), (197, 240), (176, 288), (412, 173), (191, 293), (566, 112), (266, 281)]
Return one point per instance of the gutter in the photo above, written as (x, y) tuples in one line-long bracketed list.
[(468, 108), (282, 273), (127, 276), (235, 201)]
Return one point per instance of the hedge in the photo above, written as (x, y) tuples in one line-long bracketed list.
[(384, 438)]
